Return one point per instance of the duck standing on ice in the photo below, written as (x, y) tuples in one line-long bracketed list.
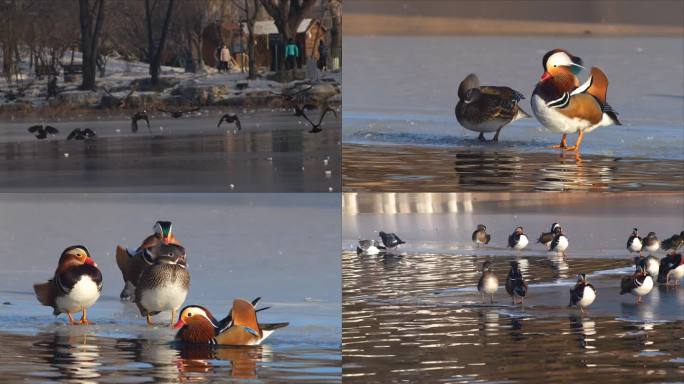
[(562, 105), (487, 108)]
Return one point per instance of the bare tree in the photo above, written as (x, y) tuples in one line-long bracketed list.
[(287, 15), (192, 17), (91, 18), (335, 7), (155, 50), (250, 8)]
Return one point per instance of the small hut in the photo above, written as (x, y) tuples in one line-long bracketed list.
[(269, 50)]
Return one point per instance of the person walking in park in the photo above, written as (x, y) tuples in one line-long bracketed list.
[(322, 55), (291, 54), (217, 56), (225, 57)]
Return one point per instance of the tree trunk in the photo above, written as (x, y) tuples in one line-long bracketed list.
[(156, 52), (91, 28)]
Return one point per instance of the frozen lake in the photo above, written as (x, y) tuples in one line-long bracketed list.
[(400, 94), (272, 153), (283, 248), (417, 316)]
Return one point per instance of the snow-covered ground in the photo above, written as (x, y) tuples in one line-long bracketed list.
[(120, 74)]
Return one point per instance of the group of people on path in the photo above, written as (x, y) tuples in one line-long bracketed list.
[(224, 58), (292, 53)]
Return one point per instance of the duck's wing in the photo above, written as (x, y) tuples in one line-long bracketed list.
[(627, 284), (73, 133), (511, 240), (220, 121), (496, 106), (505, 93), (89, 132), (35, 128), (272, 326), (51, 130)]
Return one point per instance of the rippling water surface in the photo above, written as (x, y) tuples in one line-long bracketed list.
[(416, 315)]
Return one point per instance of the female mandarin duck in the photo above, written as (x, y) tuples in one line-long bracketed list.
[(163, 285), (132, 264), (562, 105), (75, 287), (487, 108), (198, 326)]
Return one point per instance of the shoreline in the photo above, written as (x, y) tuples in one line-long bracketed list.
[(359, 24)]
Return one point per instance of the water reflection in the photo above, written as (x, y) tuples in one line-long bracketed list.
[(428, 169), (282, 160), (78, 354), (420, 320), (200, 362), (71, 354)]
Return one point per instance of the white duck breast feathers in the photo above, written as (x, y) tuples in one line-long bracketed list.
[(588, 297), (83, 295), (643, 288)]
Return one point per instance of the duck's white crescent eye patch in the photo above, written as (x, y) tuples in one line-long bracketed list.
[(559, 58)]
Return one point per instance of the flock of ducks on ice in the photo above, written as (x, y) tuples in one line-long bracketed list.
[(668, 270)]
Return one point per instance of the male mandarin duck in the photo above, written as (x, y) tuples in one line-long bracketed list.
[(487, 108), (75, 287), (559, 243), (671, 268), (518, 239), (196, 325), (391, 240), (163, 285), (562, 105), (634, 242), (516, 286), (582, 294), (673, 243), (547, 237), (651, 264), (132, 264), (639, 284), (480, 235)]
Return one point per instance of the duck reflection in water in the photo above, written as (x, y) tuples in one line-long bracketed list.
[(584, 329), (69, 351), (198, 359)]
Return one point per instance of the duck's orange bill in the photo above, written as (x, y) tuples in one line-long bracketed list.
[(90, 261), (179, 324), (545, 76)]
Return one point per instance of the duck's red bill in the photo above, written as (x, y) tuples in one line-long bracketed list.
[(179, 324)]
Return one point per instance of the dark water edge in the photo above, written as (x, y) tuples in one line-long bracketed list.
[(426, 169), (418, 318), (286, 160), (75, 354)]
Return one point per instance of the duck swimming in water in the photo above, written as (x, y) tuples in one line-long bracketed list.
[(196, 325)]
